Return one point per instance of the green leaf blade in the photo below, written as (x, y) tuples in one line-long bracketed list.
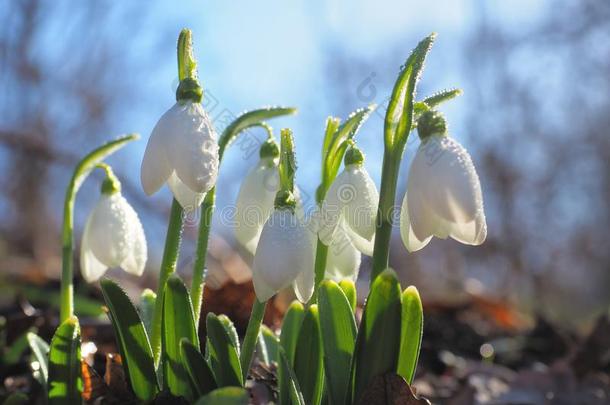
[(224, 358), (308, 360), (378, 341), (271, 342), (178, 324), (399, 114), (339, 331), (197, 368), (65, 380), (290, 392), (339, 142), (225, 396), (248, 120), (291, 327), (132, 340), (411, 333)]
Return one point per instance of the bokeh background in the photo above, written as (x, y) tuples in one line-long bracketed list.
[(535, 116)]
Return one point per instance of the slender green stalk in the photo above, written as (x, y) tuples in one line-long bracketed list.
[(254, 326), (168, 267), (320, 268), (82, 170), (385, 214), (197, 284)]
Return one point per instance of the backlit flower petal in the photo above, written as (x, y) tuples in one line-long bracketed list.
[(255, 203), (188, 199), (136, 260), (360, 198), (91, 268), (447, 179), (343, 259), (283, 252), (193, 151), (156, 168), (110, 230), (409, 238)]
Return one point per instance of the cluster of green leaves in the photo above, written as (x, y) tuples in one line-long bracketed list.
[(324, 357)]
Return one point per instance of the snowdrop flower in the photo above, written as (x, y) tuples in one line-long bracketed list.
[(443, 195), (182, 151), (284, 255), (113, 235), (256, 195), (352, 199)]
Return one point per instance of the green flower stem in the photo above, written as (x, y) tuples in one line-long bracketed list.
[(168, 267), (320, 268), (198, 282), (82, 170), (387, 195), (254, 326)]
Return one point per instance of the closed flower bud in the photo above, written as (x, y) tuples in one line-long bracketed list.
[(182, 151), (113, 237), (443, 197), (284, 256)]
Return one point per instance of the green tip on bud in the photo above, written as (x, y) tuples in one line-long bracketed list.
[(284, 199), (431, 122), (111, 183), (353, 156), (189, 90), (269, 149)]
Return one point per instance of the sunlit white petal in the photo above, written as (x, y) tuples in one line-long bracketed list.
[(343, 259), (255, 203), (194, 150), (409, 238), (188, 199), (136, 259), (283, 252), (155, 167), (91, 268)]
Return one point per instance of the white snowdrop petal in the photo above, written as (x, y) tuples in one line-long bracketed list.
[(330, 213), (91, 268), (303, 285), (343, 260), (194, 149), (412, 243), (110, 232), (423, 221), (360, 199), (255, 203), (363, 245), (452, 185), (155, 168), (188, 199), (283, 252), (471, 233), (262, 289), (136, 260)]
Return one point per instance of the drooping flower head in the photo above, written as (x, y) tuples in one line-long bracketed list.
[(113, 235), (182, 150), (352, 199), (284, 255), (443, 197), (256, 196)]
